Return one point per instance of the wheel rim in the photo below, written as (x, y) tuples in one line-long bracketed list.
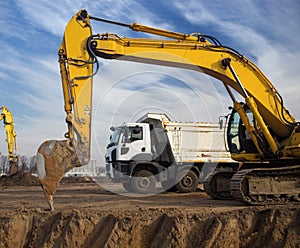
[(144, 182), (187, 181)]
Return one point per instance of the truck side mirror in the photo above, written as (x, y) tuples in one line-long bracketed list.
[(221, 123)]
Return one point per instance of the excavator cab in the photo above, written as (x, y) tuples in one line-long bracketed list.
[(238, 138)]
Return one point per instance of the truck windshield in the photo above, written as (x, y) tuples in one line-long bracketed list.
[(115, 136)]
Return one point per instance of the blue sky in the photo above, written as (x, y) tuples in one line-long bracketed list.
[(267, 32)]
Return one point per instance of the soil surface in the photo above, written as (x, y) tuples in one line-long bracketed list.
[(102, 214)]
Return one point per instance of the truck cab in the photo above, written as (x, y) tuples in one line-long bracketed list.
[(128, 143), (137, 156)]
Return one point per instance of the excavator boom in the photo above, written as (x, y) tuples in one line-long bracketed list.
[(273, 130)]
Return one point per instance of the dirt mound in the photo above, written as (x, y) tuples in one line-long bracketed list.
[(255, 227), (19, 179), (76, 180)]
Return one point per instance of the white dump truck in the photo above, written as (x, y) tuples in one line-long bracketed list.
[(179, 155)]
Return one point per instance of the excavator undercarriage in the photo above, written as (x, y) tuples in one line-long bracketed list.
[(256, 186)]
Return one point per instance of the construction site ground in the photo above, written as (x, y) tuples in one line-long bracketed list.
[(102, 214)]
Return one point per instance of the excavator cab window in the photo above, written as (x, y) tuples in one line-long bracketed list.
[(244, 137), (238, 137), (233, 132)]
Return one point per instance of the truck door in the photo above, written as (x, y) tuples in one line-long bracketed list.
[(134, 144)]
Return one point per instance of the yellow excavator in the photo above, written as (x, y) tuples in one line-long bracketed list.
[(11, 139), (261, 133)]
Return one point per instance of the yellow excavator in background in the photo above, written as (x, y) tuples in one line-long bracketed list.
[(11, 139), (261, 133)]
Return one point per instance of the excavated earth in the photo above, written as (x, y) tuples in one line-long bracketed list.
[(102, 214)]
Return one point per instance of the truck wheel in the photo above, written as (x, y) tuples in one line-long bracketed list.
[(143, 182), (127, 186), (188, 181)]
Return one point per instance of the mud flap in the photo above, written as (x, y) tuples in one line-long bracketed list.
[(54, 159)]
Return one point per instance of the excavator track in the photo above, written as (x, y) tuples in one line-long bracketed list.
[(217, 185), (261, 186)]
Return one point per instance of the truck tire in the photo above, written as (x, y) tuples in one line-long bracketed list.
[(188, 181), (143, 182), (127, 186)]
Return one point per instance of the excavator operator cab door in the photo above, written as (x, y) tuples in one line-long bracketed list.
[(233, 132), (238, 138)]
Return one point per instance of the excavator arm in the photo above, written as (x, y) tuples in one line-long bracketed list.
[(274, 132), (11, 139), (56, 157)]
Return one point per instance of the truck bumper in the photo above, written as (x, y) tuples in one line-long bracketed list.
[(118, 171)]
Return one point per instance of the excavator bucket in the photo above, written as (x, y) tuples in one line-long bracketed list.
[(13, 168), (54, 159)]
